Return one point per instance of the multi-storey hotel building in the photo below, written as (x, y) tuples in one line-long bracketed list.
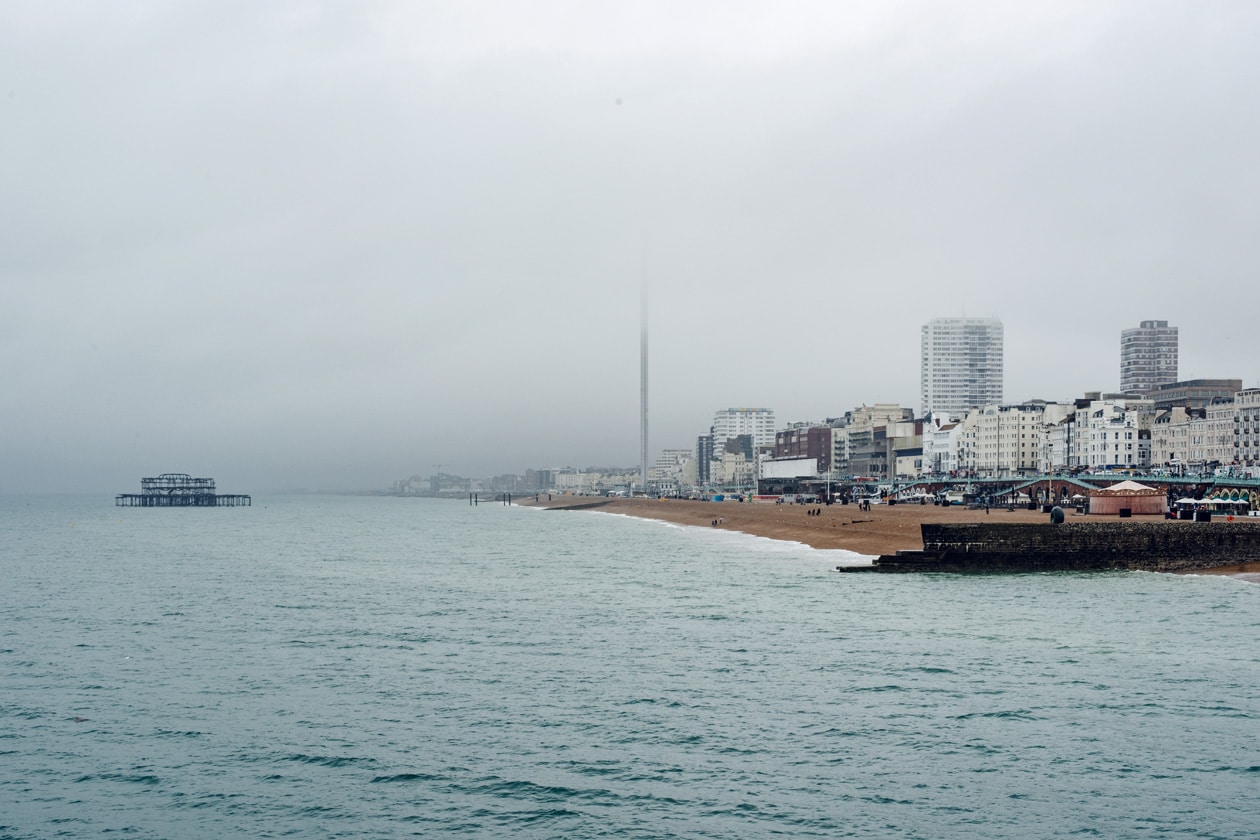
[(961, 365), (1148, 357), (733, 422)]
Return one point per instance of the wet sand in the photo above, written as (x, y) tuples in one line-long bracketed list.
[(1249, 572), (884, 529)]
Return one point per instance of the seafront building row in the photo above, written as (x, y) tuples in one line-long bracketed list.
[(1095, 433), (1189, 428), (964, 429), (1166, 432)]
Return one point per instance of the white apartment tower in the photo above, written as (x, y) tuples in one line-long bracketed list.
[(733, 422), (961, 366), (1148, 357)]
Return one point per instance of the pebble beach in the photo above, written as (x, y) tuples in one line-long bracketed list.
[(883, 529)]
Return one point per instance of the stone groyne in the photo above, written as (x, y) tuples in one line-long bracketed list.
[(1079, 547)]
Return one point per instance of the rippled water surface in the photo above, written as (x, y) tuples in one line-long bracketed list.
[(376, 667)]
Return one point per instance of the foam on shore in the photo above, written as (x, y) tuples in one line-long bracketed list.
[(743, 539)]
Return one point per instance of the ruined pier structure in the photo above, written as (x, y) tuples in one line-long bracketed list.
[(179, 490)]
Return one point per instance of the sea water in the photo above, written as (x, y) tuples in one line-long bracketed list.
[(383, 667)]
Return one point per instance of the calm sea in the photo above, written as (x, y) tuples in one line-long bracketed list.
[(379, 667)]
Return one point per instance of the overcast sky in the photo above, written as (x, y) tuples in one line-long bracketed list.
[(329, 245)]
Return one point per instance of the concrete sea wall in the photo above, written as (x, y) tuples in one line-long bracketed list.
[(1161, 546)]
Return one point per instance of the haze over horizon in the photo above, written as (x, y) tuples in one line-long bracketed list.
[(330, 245)]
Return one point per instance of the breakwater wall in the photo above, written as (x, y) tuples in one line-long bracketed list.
[(1161, 546)]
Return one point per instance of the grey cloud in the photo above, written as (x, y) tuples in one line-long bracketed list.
[(333, 245)]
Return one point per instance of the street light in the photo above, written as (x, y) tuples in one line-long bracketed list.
[(1049, 465)]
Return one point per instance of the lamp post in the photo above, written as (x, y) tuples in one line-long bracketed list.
[(1049, 465)]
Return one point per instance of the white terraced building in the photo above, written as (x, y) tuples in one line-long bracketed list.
[(1110, 433), (1008, 440)]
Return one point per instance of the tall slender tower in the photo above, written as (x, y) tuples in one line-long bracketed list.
[(643, 384)]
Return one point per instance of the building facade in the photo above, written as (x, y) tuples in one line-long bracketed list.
[(732, 422), (805, 441), (1004, 441), (960, 365), (1148, 357), (1060, 448), (854, 450), (1211, 437), (1114, 434), (674, 469), (735, 464), (1220, 427), (1170, 436), (938, 448), (1247, 427), (704, 459), (1194, 393)]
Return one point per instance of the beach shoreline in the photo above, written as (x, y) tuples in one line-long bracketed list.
[(883, 529)]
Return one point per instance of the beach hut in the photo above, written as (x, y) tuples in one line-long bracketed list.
[(1137, 499)]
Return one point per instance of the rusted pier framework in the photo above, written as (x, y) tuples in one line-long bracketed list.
[(179, 490)]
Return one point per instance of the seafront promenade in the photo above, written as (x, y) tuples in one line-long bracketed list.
[(881, 530)]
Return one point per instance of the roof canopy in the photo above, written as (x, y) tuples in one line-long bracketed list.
[(1128, 488), (1129, 485)]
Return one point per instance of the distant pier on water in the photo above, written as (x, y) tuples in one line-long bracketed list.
[(179, 490)]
